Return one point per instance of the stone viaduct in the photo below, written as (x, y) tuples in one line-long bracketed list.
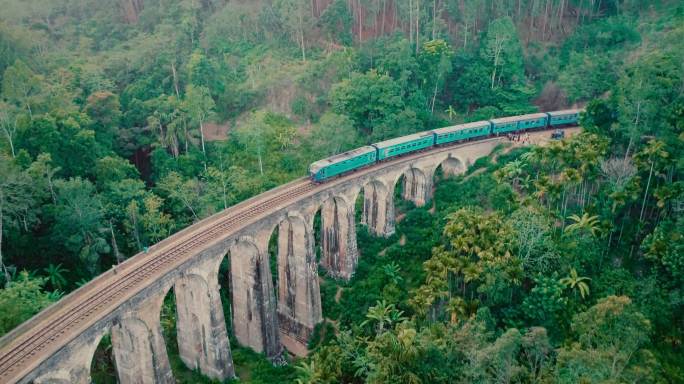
[(261, 318)]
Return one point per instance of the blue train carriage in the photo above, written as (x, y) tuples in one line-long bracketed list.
[(404, 144), (462, 132), (564, 117), (322, 170)]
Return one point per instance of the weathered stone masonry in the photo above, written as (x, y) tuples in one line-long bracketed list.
[(259, 317)]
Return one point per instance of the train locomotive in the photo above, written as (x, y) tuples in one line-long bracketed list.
[(334, 166)]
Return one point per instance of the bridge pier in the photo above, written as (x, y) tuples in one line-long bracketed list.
[(255, 323), (417, 186), (201, 327), (378, 208), (340, 254), (299, 296), (139, 347)]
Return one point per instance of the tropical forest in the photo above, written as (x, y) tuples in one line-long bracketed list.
[(123, 122)]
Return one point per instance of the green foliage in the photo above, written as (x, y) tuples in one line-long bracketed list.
[(546, 305), (21, 299), (336, 21), (610, 337), (119, 126), (369, 99)]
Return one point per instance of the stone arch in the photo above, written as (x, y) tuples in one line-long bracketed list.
[(253, 302), (453, 166), (102, 358), (416, 185), (76, 368)]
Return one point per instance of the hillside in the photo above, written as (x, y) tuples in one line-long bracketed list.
[(124, 122)]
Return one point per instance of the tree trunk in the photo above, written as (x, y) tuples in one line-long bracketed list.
[(546, 19), (185, 133), (175, 79), (9, 135), (434, 96), (384, 16), (301, 34), (410, 21), (136, 234), (115, 246), (636, 125), (417, 26), (201, 123), (261, 164), (131, 10), (434, 20), (648, 184), (2, 263), (465, 35)]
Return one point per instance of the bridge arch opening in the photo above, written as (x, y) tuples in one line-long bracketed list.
[(377, 212), (452, 166), (102, 366), (413, 185)]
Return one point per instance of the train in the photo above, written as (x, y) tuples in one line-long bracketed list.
[(350, 161)]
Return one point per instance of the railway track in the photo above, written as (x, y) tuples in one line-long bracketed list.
[(32, 342), (80, 307)]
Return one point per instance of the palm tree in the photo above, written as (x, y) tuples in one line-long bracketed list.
[(512, 171), (457, 308), (392, 271), (451, 112), (55, 275), (585, 222), (653, 153), (576, 282), (383, 314), (306, 372)]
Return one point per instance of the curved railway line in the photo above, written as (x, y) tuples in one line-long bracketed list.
[(23, 349)]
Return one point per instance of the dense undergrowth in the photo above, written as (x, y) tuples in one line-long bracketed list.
[(120, 125)]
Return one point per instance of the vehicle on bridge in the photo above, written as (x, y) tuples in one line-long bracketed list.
[(403, 145), (563, 118), (325, 169), (343, 162)]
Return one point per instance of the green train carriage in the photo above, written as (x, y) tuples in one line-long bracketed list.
[(462, 132), (564, 117), (532, 121), (405, 144), (341, 163), (519, 123), (361, 157)]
